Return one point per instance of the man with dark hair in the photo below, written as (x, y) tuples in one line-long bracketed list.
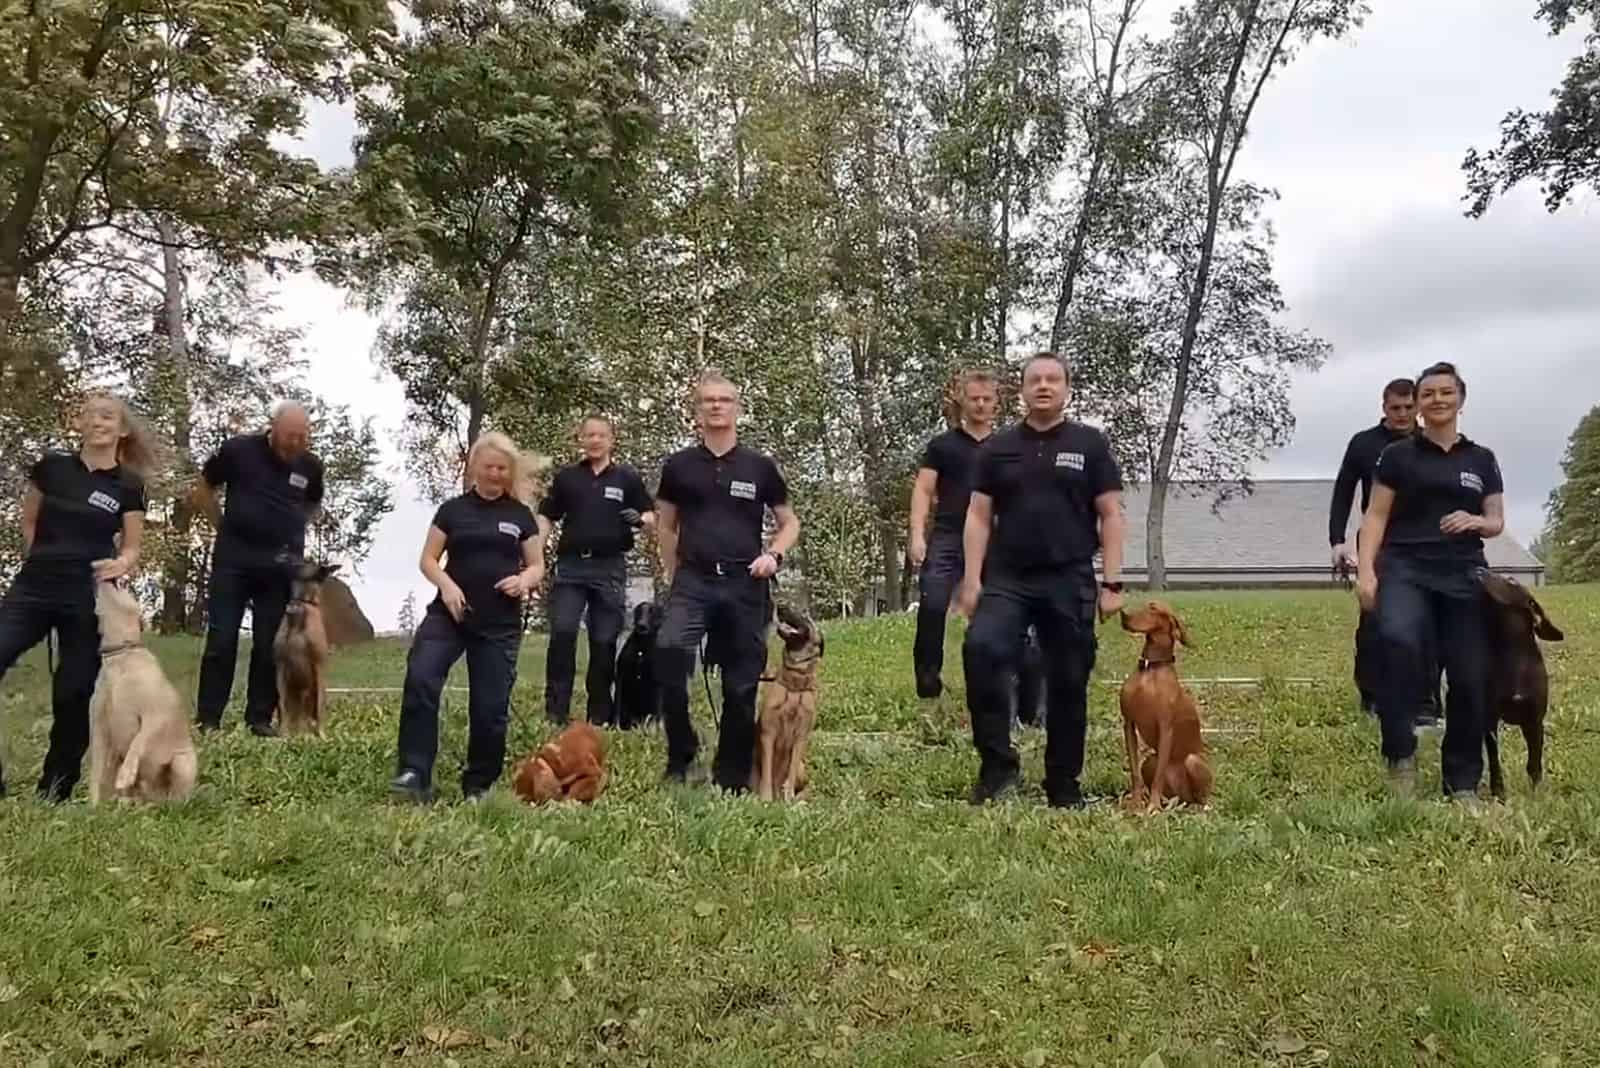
[(1360, 460), (1046, 497)]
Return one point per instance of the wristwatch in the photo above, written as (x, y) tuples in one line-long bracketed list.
[(1113, 587)]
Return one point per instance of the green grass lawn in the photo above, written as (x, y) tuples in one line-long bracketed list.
[(289, 914)]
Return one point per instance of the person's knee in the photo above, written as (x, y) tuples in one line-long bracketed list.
[(989, 651)]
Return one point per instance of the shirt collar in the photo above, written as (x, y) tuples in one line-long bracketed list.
[(725, 456), (1425, 442), (1028, 430)]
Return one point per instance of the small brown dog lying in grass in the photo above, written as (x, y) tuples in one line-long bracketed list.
[(1157, 708), (569, 767), (139, 742), (788, 710), (301, 652)]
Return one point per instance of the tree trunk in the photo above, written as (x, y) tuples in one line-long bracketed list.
[(180, 524), (889, 547), (1216, 189), (1097, 157)]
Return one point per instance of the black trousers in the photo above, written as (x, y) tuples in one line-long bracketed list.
[(491, 672), (940, 575), (596, 585), (1417, 605), (29, 612), (264, 587), (733, 611), (1060, 605), (1369, 671)]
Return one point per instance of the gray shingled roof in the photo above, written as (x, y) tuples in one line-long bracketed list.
[(1279, 524)]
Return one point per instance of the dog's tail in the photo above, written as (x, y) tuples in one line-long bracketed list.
[(128, 773)]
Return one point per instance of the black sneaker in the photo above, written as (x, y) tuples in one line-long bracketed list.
[(409, 787), (263, 730), (1068, 796), (984, 792)]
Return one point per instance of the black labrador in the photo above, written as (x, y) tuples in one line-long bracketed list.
[(638, 695)]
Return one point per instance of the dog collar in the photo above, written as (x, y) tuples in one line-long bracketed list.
[(1146, 664), (120, 647)]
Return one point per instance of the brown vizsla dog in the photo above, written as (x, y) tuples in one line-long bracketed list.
[(301, 651), (569, 767), (788, 710), (1157, 708)]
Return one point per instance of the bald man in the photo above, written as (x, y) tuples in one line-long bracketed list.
[(273, 487)]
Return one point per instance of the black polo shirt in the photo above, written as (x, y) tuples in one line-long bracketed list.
[(1360, 459), (952, 455), (269, 501), (483, 544), (80, 513), (721, 502), (589, 508), (1044, 484), (1429, 483)]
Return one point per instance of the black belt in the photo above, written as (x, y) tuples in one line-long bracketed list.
[(587, 554), (721, 568)]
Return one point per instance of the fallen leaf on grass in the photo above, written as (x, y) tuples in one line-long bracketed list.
[(9, 992), (1430, 1044), (1153, 1061), (455, 900), (306, 973), (201, 937), (1034, 1058), (705, 909), (565, 990), (447, 1037), (1289, 1045)]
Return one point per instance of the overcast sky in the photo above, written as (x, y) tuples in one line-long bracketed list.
[(1363, 139)]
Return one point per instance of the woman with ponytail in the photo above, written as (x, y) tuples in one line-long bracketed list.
[(82, 523)]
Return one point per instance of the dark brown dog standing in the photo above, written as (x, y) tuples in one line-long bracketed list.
[(301, 651), (788, 710), (1157, 708), (1519, 686), (569, 767)]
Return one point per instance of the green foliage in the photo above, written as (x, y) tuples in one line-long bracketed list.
[(1561, 147), (1572, 529)]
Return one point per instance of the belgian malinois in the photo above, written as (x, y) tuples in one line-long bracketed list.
[(301, 650), (788, 709)]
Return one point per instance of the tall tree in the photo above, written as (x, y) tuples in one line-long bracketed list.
[(1572, 528), (1216, 65), (1559, 147), (492, 133)]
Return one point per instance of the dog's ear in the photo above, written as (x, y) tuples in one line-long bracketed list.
[(327, 571), (1179, 631), (1541, 623)]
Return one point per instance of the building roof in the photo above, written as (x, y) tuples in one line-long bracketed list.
[(1279, 525)]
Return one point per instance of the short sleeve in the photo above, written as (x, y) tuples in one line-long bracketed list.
[(315, 490), (1493, 483), (1390, 470), (671, 487), (529, 525), (39, 473), (222, 468), (1104, 474), (777, 494), (634, 495), (930, 455), (444, 518), (554, 505), (133, 496), (985, 471)]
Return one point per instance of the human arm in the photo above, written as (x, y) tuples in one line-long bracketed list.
[(32, 500), (455, 602), (783, 539), (1108, 505), (1344, 496), (528, 579), (667, 536), (975, 547), (1488, 525), (127, 557), (922, 497), (1373, 526)]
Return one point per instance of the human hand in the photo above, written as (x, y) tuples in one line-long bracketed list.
[(632, 517), (1459, 522), (917, 550), (764, 566), (1110, 603), (110, 570), (455, 602), (967, 596)]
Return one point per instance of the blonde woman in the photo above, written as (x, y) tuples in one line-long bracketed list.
[(76, 506), (493, 557)]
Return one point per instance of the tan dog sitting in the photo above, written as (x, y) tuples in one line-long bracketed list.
[(788, 710), (569, 767), (301, 652), (1158, 709), (139, 742)]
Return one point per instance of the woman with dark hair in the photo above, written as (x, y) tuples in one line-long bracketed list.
[(77, 505), (1435, 497)]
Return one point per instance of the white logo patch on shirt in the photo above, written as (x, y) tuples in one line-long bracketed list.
[(743, 490), (299, 481), (1471, 481), (511, 529), (1073, 460), (105, 502), (613, 493)]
